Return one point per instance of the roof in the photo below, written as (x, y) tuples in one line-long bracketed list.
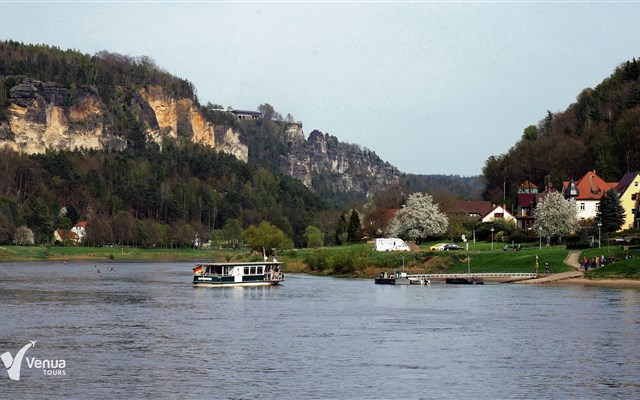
[(626, 180), (528, 185), (389, 213), (590, 186), (480, 208), (247, 112), (81, 224), (66, 235)]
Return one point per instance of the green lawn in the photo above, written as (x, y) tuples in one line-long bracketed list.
[(514, 261), (14, 253)]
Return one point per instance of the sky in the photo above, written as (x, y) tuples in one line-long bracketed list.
[(431, 87)]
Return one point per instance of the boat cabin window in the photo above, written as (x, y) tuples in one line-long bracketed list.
[(217, 270), (253, 270), (246, 270)]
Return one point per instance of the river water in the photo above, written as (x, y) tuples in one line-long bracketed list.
[(142, 331)]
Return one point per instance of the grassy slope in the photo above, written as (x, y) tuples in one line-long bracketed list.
[(19, 253)]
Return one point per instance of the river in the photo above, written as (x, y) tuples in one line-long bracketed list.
[(143, 332)]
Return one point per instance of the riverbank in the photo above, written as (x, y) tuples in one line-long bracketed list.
[(615, 283)]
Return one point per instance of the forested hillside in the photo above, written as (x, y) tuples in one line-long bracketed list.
[(148, 197), (600, 131)]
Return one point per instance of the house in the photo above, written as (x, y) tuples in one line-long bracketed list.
[(80, 229), (587, 192), (65, 236), (498, 212), (528, 197), (245, 114), (628, 191), (474, 209)]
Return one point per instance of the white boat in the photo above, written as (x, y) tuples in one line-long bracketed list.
[(238, 274)]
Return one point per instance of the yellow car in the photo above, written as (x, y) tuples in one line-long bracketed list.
[(437, 247)]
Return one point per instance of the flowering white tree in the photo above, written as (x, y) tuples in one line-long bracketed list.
[(556, 216), (418, 219), (23, 236)]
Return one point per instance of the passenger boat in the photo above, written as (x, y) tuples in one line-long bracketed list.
[(238, 274)]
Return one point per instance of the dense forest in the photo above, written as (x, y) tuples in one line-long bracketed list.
[(600, 131), (181, 186), (149, 193)]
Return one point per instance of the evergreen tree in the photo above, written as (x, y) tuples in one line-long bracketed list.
[(353, 233), (341, 230), (610, 212)]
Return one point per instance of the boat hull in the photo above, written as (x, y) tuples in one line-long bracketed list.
[(235, 284)]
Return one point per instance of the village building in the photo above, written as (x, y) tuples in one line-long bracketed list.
[(80, 229), (498, 212), (64, 236), (473, 209), (628, 191), (587, 192), (528, 197), (483, 210)]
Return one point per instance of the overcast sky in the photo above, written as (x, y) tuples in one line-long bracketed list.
[(431, 87)]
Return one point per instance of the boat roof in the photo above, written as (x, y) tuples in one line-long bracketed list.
[(245, 263)]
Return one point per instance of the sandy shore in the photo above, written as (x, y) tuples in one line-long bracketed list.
[(619, 283)]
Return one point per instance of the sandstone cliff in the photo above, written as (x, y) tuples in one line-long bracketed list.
[(41, 116), (46, 115), (322, 162)]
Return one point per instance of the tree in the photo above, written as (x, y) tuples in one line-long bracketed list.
[(232, 233), (23, 236), (610, 212), (418, 219), (7, 229), (314, 236), (353, 232), (341, 231), (266, 237), (266, 110), (99, 231), (122, 226), (555, 216)]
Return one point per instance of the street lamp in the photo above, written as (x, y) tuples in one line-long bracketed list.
[(599, 235), (540, 230), (491, 238)]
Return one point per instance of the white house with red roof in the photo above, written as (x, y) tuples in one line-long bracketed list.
[(587, 192), (80, 229)]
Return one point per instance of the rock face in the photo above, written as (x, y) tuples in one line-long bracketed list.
[(47, 115), (169, 117), (322, 162), (43, 115)]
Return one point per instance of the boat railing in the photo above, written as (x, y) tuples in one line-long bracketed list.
[(274, 276)]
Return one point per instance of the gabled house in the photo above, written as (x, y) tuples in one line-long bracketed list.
[(527, 199), (80, 229), (498, 212), (65, 236), (628, 191), (587, 192), (473, 209)]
